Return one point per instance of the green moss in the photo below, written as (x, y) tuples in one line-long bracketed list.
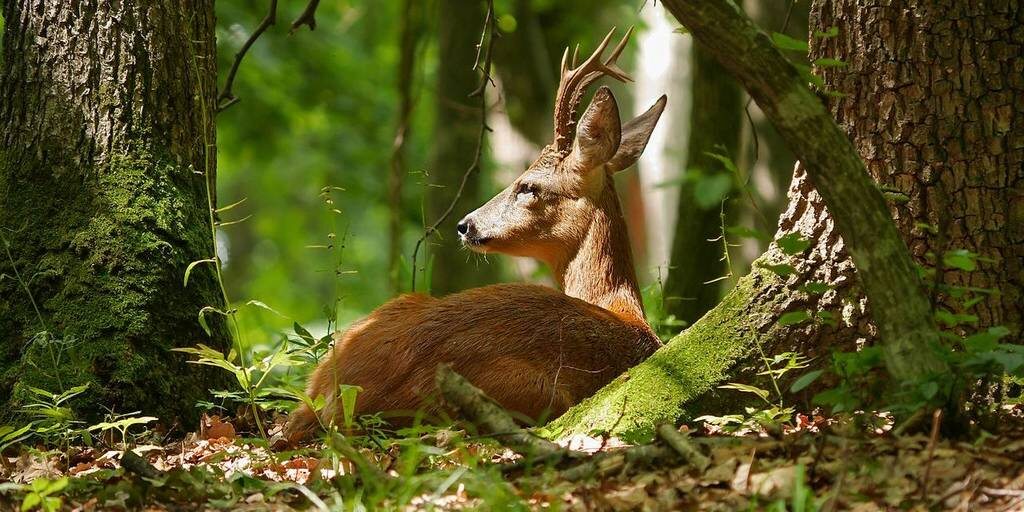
[(664, 387), (106, 247)]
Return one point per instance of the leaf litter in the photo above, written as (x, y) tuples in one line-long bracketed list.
[(816, 464)]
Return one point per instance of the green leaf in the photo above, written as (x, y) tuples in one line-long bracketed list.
[(681, 30), (788, 43), (805, 380), (961, 259), (827, 62), (710, 190), (831, 32), (58, 485), (986, 340), (762, 393), (262, 305), (121, 424), (71, 393), (808, 74), (230, 206), (781, 269), (301, 332), (9, 436), (230, 222), (725, 161), (793, 243), (31, 500), (826, 318), (348, 395), (953, 319), (794, 317), (188, 270), (202, 317)]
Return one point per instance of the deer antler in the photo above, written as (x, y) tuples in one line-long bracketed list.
[(573, 83)]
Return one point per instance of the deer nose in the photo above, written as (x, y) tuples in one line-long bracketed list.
[(464, 226)]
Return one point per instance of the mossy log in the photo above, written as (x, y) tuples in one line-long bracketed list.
[(690, 366)]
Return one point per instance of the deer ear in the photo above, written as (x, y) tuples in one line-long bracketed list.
[(597, 137), (635, 135)]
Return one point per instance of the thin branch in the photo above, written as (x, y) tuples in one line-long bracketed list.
[(487, 34), (227, 97), (307, 17), (476, 406)]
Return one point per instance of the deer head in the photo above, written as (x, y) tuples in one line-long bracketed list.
[(548, 211)]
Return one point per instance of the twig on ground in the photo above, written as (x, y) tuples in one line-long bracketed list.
[(607, 463), (909, 423), (488, 34), (932, 441), (480, 409), (227, 97), (133, 463), (681, 445), (306, 17), (477, 407)]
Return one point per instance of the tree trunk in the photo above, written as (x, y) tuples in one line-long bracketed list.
[(107, 132), (452, 268), (933, 105), (692, 286), (409, 35)]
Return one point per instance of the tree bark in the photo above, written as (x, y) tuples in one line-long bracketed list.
[(692, 286), (932, 105), (455, 138), (107, 132)]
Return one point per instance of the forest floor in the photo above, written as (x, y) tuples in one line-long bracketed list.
[(813, 464)]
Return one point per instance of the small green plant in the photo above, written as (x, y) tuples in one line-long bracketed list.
[(665, 324), (979, 359), (120, 423), (43, 494), (252, 381), (774, 414), (10, 435), (52, 419)]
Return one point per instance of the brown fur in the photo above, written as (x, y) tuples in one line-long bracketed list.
[(534, 349)]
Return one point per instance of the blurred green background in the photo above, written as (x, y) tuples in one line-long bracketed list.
[(322, 109)]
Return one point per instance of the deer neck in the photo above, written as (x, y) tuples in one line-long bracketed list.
[(600, 270)]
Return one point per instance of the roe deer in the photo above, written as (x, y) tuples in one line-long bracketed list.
[(533, 349)]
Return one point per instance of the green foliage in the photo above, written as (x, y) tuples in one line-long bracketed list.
[(253, 387), (53, 421), (665, 324), (121, 423), (785, 42), (977, 359), (42, 494)]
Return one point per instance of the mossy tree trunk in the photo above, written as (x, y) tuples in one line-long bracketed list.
[(932, 104), (107, 132), (455, 134), (692, 286)]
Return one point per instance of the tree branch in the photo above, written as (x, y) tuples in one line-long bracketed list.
[(474, 405), (487, 35), (898, 303), (306, 17), (227, 97)]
